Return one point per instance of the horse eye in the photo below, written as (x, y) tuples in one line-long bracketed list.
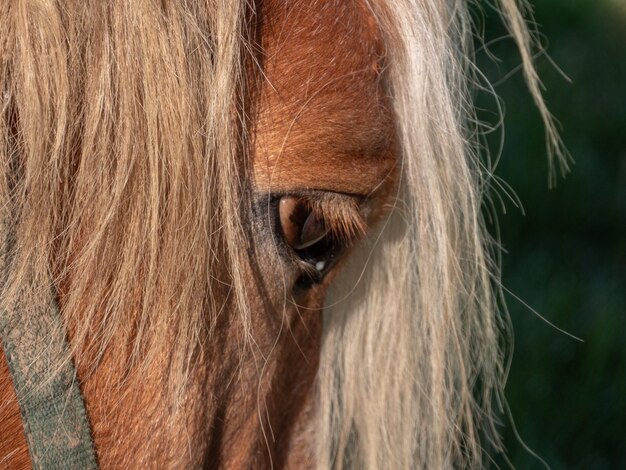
[(301, 227), (312, 241)]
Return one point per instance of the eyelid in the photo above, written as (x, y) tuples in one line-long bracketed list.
[(301, 226), (343, 216)]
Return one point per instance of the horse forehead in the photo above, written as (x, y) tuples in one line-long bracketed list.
[(322, 105), (303, 35)]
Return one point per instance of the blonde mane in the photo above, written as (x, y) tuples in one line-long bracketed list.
[(92, 132), (412, 359), (92, 137)]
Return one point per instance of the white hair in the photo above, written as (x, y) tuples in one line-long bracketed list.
[(412, 359)]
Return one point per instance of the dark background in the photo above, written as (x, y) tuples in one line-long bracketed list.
[(566, 257)]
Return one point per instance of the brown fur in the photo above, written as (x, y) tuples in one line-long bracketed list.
[(320, 121), (13, 446), (324, 122)]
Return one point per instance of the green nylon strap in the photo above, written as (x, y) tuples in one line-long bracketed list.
[(53, 412), (34, 342)]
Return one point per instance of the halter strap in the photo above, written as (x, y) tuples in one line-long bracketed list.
[(53, 412)]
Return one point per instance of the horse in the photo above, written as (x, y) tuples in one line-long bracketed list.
[(252, 232)]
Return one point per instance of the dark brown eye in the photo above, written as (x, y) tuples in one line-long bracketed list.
[(301, 226), (318, 228), (309, 234)]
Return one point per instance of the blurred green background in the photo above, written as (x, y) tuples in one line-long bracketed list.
[(566, 257)]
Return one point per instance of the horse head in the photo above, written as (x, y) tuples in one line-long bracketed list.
[(254, 229)]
